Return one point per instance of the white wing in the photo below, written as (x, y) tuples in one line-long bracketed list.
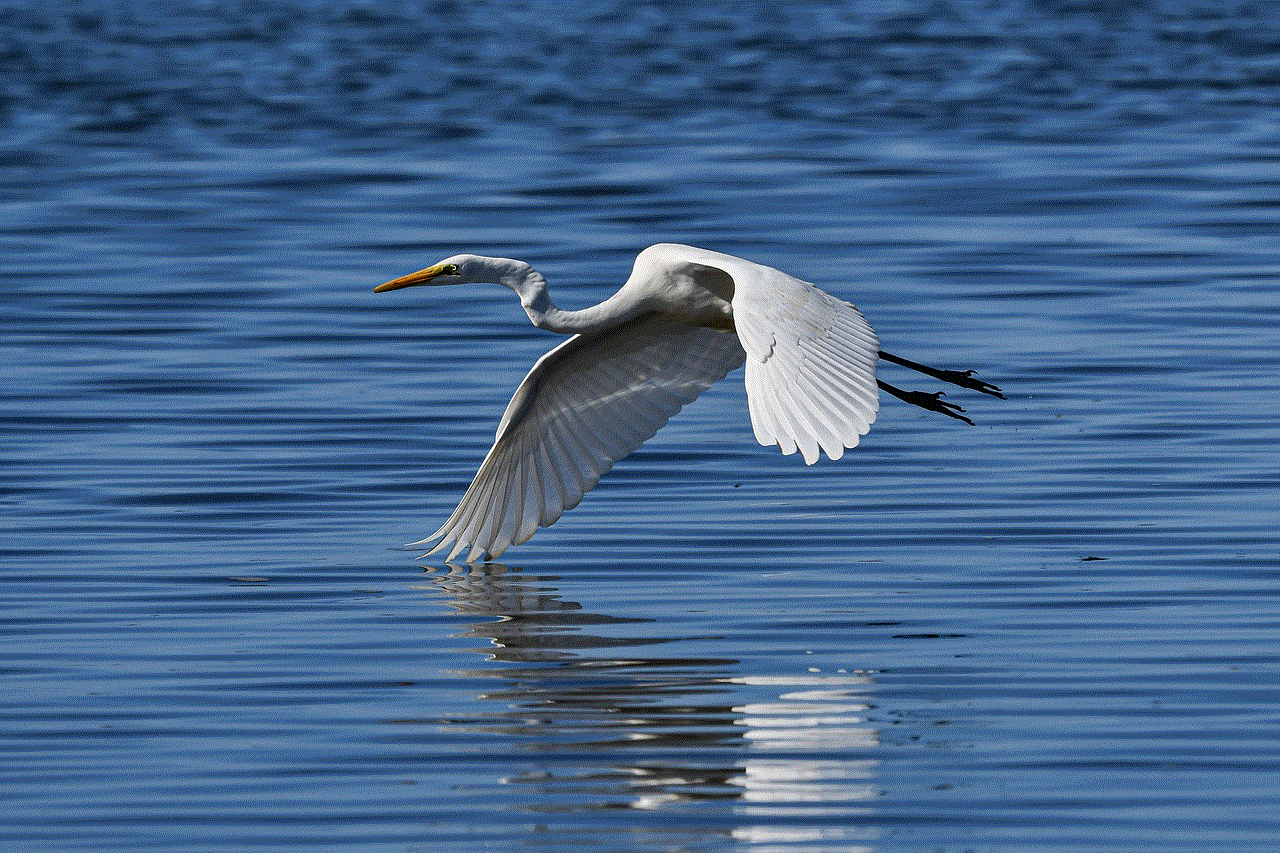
[(586, 404), (811, 358)]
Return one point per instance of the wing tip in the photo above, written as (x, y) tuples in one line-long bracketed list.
[(478, 553)]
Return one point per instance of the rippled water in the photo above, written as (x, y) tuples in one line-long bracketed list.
[(1052, 631)]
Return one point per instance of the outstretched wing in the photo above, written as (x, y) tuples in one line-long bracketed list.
[(811, 358), (586, 404), (811, 365)]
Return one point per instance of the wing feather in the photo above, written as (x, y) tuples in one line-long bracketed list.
[(811, 357), (819, 351), (810, 380), (586, 404)]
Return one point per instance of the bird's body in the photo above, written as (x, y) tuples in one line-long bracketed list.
[(683, 319)]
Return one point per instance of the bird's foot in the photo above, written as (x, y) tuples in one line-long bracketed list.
[(966, 379), (963, 378), (925, 400), (934, 403)]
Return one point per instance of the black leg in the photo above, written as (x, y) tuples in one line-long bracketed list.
[(963, 378), (932, 402)]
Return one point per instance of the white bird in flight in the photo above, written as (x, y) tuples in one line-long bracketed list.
[(683, 319)]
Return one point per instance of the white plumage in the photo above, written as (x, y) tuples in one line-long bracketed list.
[(586, 404), (683, 319)]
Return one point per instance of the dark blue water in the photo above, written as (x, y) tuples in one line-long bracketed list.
[(1053, 631)]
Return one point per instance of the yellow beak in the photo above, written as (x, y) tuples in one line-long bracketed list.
[(419, 277)]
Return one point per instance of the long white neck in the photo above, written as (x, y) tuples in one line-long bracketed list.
[(531, 287)]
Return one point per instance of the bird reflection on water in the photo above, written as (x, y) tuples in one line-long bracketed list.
[(611, 723)]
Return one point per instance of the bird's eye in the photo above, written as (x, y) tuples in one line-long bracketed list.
[(451, 269)]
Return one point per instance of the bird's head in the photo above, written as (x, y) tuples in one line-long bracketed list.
[(456, 270), (464, 269)]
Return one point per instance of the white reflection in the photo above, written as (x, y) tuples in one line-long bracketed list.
[(816, 839), (825, 717)]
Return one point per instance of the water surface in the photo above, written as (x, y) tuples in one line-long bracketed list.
[(1052, 631)]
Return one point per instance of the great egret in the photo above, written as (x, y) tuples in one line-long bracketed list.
[(684, 319)]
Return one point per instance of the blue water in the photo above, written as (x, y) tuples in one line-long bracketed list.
[(1055, 630)]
